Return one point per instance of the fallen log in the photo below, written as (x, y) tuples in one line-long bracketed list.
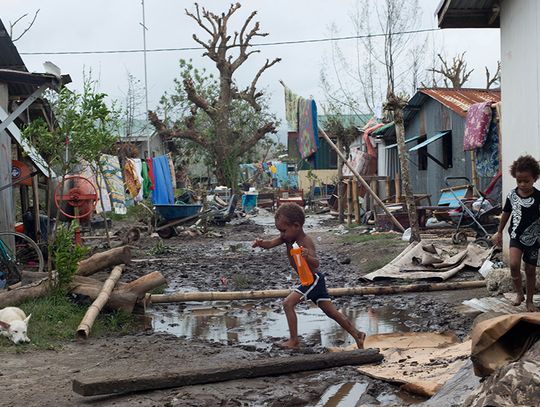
[(18, 295), (100, 261), (240, 370), (369, 290), (93, 310), (125, 295)]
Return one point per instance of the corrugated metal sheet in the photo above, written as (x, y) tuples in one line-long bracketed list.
[(459, 100)]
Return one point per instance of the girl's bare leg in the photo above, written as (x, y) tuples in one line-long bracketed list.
[(530, 273), (288, 306), (330, 310), (515, 271)]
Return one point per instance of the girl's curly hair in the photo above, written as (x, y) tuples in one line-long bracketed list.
[(525, 163), (291, 212)]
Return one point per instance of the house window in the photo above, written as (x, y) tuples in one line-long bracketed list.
[(447, 155), (422, 154)]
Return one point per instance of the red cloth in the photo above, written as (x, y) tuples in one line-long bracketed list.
[(367, 141), (151, 172)]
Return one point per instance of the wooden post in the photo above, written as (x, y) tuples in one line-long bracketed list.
[(35, 199), (375, 187), (397, 183), (474, 173), (349, 202), (362, 181), (387, 186), (340, 183), (7, 214), (356, 208)]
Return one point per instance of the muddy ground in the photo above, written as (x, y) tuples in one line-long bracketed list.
[(43, 378)]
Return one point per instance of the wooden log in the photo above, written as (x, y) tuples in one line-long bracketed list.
[(103, 260), (125, 295), (349, 203), (93, 310), (369, 290), (242, 369), (23, 293), (356, 206), (362, 180)]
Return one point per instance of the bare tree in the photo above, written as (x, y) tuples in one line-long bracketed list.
[(227, 145), (456, 74), (12, 25), (495, 79)]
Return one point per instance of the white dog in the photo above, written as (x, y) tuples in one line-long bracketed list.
[(14, 324)]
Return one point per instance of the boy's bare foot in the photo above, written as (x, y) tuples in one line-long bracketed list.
[(530, 307), (519, 299), (290, 344), (359, 338)]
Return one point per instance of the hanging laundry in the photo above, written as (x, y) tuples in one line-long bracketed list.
[(138, 170), (308, 135), (131, 177), (87, 171), (291, 108), (163, 193), (359, 160), (112, 174), (172, 170), (147, 183), (150, 163), (371, 150), (476, 125), (487, 156)]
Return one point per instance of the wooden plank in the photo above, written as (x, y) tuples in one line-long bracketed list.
[(244, 369)]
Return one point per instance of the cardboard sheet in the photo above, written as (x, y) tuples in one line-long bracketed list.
[(422, 361), (427, 260)]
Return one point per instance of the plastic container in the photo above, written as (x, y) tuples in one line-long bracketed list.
[(305, 274)]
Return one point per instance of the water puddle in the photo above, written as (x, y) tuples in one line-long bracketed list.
[(249, 324), (312, 223)]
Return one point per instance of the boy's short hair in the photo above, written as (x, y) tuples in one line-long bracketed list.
[(525, 163), (291, 212)]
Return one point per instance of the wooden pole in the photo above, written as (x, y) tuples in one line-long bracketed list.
[(93, 310), (35, 199), (474, 172), (240, 369), (349, 203), (362, 181), (337, 292), (387, 187), (340, 183), (356, 208), (100, 261), (397, 183)]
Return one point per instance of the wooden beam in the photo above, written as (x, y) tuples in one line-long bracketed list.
[(241, 369)]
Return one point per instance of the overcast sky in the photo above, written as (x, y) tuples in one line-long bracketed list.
[(99, 25)]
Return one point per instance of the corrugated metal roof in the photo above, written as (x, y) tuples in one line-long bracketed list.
[(347, 120), (469, 14), (459, 100)]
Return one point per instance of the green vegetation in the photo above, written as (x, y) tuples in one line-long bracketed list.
[(55, 319), (67, 254)]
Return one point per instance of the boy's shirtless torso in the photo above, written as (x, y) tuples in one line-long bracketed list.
[(303, 241)]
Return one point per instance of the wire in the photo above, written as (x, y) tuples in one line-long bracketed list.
[(262, 44)]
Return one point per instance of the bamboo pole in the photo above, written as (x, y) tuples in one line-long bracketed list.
[(356, 208), (93, 310), (362, 181), (397, 183), (337, 292)]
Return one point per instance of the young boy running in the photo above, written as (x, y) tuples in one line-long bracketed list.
[(290, 222)]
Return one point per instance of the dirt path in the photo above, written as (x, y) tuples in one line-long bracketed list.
[(43, 378)]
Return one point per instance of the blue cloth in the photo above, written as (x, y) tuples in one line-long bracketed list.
[(163, 193), (487, 156)]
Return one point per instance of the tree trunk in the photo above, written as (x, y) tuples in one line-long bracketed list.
[(244, 369), (91, 314), (396, 104), (103, 260), (21, 294)]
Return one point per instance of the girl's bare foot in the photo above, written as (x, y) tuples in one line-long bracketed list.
[(519, 299), (290, 344), (359, 338), (530, 307)]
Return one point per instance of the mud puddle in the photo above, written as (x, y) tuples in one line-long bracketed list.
[(312, 224), (256, 325)]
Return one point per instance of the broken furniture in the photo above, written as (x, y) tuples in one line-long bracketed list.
[(288, 196)]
